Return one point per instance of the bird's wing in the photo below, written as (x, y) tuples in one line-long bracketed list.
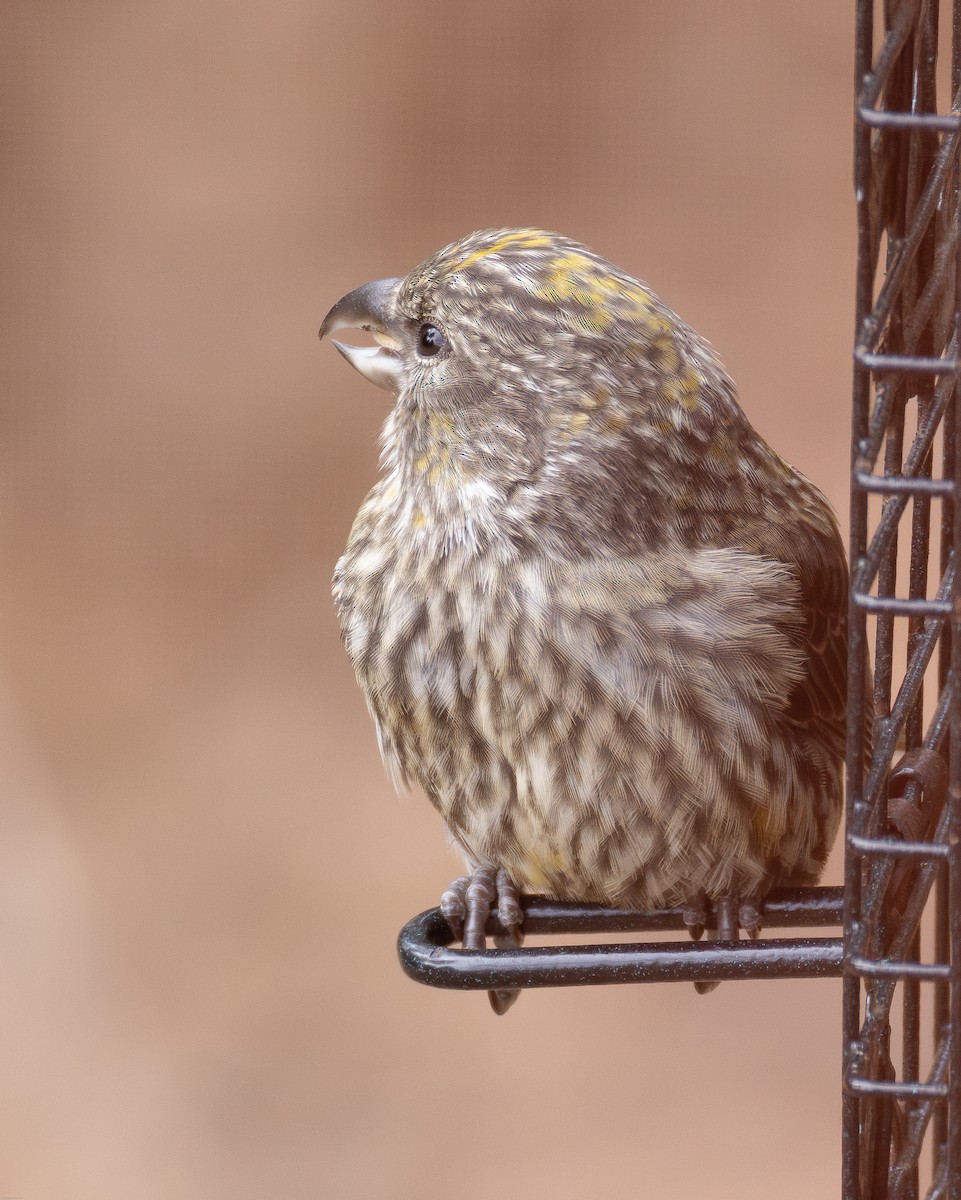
[(652, 716), (818, 701), (712, 636)]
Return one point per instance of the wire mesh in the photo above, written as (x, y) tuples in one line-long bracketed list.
[(902, 1023)]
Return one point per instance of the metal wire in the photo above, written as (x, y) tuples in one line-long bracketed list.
[(425, 957), (903, 864)]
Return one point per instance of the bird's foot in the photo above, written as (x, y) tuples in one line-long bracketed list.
[(724, 918), (695, 916), (466, 906)]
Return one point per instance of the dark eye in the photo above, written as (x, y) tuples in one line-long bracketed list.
[(430, 340)]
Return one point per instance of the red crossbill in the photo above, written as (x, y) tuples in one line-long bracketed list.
[(596, 618)]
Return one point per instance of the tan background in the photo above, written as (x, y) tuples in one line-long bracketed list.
[(202, 866)]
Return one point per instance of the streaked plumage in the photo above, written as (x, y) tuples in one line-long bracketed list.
[(595, 616)]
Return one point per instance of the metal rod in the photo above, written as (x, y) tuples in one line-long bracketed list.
[(892, 848), (885, 1087), (889, 484), (879, 119), (954, 829), (917, 364), (874, 324), (425, 957), (869, 88), (902, 606), (886, 968), (867, 563)]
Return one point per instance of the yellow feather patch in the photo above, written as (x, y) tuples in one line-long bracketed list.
[(440, 423), (540, 869), (441, 469), (575, 277), (667, 355), (614, 422), (527, 238), (684, 389)]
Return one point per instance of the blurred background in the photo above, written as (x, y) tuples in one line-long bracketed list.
[(202, 865)]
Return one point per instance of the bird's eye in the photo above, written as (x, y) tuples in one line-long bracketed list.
[(430, 340)]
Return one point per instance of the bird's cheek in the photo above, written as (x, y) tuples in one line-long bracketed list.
[(433, 383)]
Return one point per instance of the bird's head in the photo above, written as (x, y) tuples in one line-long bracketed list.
[(517, 355), (516, 302)]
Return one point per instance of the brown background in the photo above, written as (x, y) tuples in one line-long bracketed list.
[(202, 866)]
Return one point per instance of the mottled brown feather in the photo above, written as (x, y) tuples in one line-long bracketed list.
[(596, 617)]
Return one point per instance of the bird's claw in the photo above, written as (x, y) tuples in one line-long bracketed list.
[(453, 906), (481, 894), (749, 918), (695, 916), (467, 906), (509, 911), (724, 917)]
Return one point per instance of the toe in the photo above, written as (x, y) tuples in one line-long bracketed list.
[(481, 893), (695, 916), (509, 911), (453, 906), (749, 917)]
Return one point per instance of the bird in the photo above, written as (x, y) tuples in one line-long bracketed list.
[(596, 618)]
